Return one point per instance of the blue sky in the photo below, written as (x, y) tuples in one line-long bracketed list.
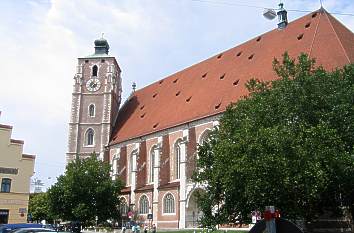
[(41, 40)]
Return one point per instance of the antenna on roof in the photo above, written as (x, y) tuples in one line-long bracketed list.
[(270, 14)]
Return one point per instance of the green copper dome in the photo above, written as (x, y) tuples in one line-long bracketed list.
[(101, 46)]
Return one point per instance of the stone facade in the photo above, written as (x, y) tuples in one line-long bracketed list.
[(105, 100), (137, 176)]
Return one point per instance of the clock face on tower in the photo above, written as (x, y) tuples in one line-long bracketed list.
[(93, 84)]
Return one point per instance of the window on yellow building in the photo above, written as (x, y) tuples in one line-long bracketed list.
[(5, 185)]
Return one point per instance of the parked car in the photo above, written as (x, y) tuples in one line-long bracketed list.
[(5, 228), (31, 230)]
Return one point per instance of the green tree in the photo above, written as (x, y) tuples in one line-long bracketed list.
[(39, 208), (289, 143), (85, 191)]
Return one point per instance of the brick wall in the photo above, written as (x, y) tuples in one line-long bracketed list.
[(191, 153), (165, 161), (141, 166), (123, 164)]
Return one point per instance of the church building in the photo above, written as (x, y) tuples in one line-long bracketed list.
[(151, 139)]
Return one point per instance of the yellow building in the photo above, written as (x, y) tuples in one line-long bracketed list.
[(16, 170)]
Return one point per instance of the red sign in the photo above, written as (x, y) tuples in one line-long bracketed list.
[(130, 214)]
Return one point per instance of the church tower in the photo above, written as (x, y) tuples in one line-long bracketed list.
[(95, 102)]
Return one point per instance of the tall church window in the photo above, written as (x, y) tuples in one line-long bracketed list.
[(177, 160), (203, 138), (89, 137), (92, 110), (169, 204), (5, 185), (152, 162), (143, 205), (131, 166), (123, 207), (94, 70)]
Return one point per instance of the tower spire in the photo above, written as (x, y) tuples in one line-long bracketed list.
[(101, 46)]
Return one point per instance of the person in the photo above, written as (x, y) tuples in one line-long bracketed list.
[(123, 229), (145, 228), (133, 228), (153, 228), (137, 229)]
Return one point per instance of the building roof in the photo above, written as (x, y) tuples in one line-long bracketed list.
[(206, 88)]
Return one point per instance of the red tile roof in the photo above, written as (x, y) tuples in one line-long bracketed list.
[(206, 88)]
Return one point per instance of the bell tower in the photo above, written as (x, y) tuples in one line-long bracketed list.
[(95, 102)]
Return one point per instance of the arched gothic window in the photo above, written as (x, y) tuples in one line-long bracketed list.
[(169, 204), (5, 185), (92, 110), (143, 205), (152, 162), (177, 160), (94, 71), (90, 137), (123, 207), (131, 166), (204, 136)]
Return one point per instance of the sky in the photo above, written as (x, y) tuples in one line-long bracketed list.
[(41, 40)]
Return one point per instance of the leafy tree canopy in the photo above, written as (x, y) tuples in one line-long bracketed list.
[(289, 143), (39, 208), (85, 191)]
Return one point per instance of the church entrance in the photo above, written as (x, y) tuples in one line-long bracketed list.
[(193, 213)]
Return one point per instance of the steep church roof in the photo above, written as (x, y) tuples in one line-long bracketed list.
[(206, 88)]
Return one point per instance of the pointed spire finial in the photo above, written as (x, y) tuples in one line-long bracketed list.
[(134, 86), (102, 34)]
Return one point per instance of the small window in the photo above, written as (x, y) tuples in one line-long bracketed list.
[(90, 137), (169, 204), (5, 185), (94, 71), (143, 205), (92, 110)]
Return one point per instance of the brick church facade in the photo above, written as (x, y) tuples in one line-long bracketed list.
[(151, 139)]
